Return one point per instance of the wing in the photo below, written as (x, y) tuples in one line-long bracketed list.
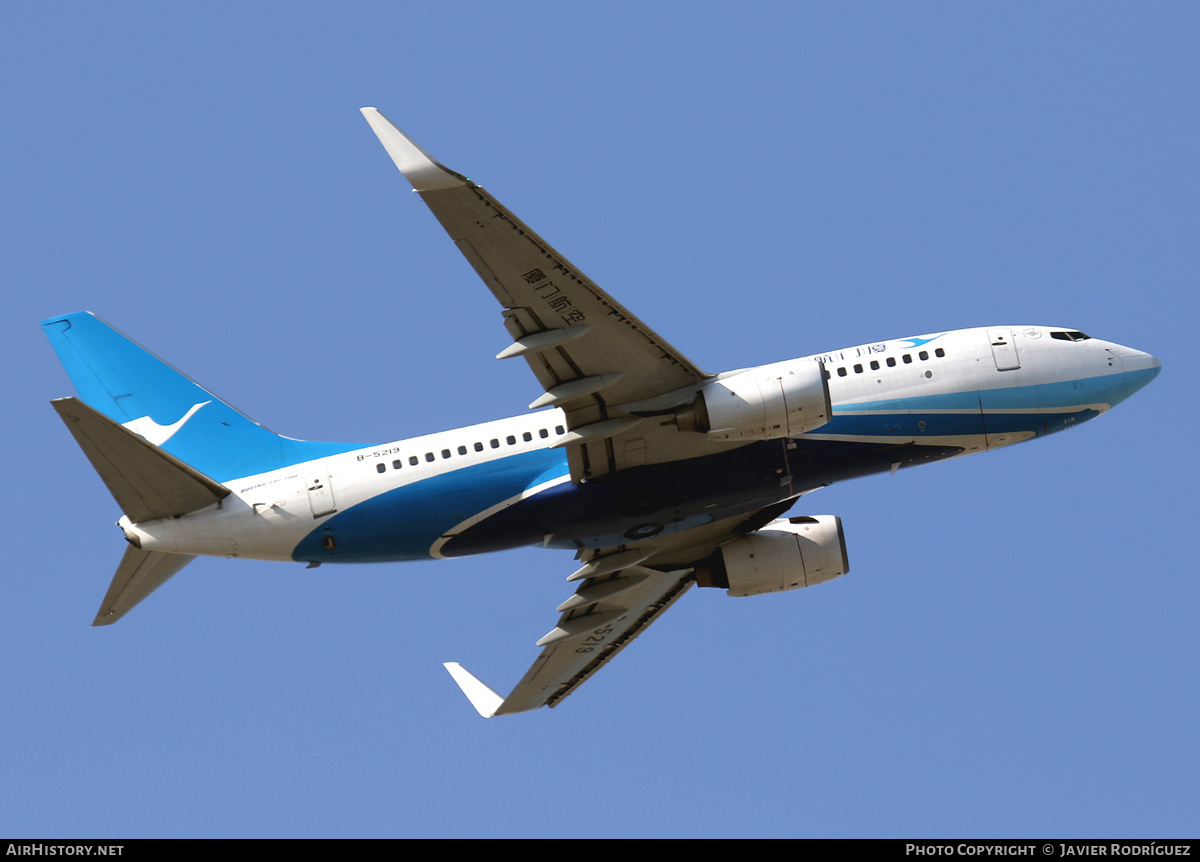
[(600, 620), (589, 352), (623, 591)]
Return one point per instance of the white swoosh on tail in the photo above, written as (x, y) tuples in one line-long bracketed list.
[(159, 434)]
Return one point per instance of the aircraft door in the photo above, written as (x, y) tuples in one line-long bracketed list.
[(320, 490), (1004, 351)]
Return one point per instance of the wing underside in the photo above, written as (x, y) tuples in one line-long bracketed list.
[(600, 620), (589, 353)]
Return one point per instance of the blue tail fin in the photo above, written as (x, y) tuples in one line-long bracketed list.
[(132, 386)]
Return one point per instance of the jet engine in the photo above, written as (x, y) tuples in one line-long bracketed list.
[(784, 555), (764, 403)]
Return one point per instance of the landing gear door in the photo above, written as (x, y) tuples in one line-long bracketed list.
[(320, 491), (1004, 351)]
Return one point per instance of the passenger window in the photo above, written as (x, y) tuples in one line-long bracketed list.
[(379, 468), (939, 353), (510, 440), (412, 459), (397, 464), (445, 453), (526, 436), (858, 368), (907, 359), (428, 456), (558, 429), (924, 354), (478, 447), (874, 365), (827, 374), (495, 444), (462, 450), (543, 433), (891, 361), (841, 372)]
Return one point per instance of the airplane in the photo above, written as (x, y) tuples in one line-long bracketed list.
[(657, 475)]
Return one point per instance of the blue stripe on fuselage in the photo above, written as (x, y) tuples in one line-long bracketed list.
[(974, 411), (1110, 389), (403, 523), (915, 424)]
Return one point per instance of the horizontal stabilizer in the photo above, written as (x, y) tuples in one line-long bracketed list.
[(140, 574), (146, 482)]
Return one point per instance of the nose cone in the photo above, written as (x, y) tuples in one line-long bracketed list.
[(1140, 368)]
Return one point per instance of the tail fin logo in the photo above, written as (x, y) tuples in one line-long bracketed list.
[(160, 434)]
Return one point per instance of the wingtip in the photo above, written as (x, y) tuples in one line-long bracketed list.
[(485, 701), (419, 168)]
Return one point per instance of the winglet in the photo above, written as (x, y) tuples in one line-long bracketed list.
[(421, 169), (485, 701)]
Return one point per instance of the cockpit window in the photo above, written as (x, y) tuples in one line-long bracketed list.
[(1070, 336)]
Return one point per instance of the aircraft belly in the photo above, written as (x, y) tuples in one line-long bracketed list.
[(636, 503), (535, 504), (677, 496)]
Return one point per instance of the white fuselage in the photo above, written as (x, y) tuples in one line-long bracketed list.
[(968, 390)]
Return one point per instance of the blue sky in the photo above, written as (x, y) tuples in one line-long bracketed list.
[(1014, 650)]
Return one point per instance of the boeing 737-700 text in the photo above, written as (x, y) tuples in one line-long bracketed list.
[(657, 475)]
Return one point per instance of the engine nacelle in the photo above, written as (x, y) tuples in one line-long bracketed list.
[(764, 403), (784, 555)]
